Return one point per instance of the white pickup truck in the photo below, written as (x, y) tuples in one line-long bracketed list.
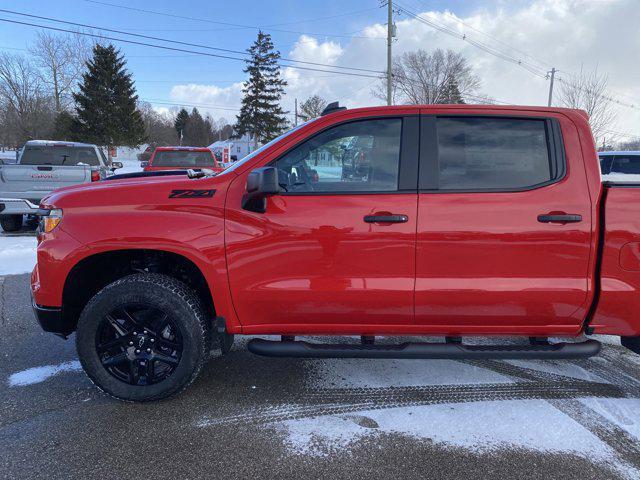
[(42, 167)]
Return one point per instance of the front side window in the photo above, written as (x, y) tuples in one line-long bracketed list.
[(358, 156), (483, 153), (626, 164)]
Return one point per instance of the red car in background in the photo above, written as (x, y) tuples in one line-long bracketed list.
[(182, 158)]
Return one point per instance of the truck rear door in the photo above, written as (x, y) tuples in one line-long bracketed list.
[(504, 225)]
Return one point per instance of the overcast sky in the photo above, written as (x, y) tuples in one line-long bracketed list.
[(566, 34)]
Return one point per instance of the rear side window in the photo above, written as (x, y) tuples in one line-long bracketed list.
[(59, 156), (360, 156), (183, 158), (626, 164), (484, 153)]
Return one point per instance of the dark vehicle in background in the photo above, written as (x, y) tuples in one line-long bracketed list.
[(620, 162), (182, 158), (42, 167)]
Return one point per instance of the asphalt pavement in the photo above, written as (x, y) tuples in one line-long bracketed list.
[(252, 417)]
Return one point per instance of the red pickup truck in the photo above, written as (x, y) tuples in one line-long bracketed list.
[(177, 158), (463, 220)]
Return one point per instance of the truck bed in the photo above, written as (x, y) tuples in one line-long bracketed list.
[(618, 305)]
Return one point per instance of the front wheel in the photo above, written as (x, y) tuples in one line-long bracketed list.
[(143, 337), (11, 223)]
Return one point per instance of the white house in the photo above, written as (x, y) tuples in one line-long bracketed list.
[(238, 147)]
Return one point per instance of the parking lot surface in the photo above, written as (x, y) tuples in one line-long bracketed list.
[(247, 416)]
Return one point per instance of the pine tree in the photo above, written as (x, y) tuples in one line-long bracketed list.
[(452, 93), (261, 115), (181, 122), (106, 108)]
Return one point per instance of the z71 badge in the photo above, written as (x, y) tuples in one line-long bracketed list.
[(191, 193)]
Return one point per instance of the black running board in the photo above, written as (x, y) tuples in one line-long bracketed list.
[(546, 351)]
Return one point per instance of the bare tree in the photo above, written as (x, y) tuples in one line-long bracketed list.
[(28, 110), (587, 91), (312, 107), (423, 77), (61, 59)]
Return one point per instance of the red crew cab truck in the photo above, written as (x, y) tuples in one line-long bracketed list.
[(178, 158), (463, 220)]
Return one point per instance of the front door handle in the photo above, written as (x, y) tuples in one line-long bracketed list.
[(562, 218), (386, 218)]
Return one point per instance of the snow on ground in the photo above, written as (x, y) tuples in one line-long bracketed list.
[(40, 374), (621, 177), (514, 424), (17, 254)]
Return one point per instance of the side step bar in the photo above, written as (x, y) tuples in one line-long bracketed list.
[(451, 350)]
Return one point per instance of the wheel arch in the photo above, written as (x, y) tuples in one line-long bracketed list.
[(94, 272)]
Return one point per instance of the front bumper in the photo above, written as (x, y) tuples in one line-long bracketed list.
[(50, 319), (18, 206)]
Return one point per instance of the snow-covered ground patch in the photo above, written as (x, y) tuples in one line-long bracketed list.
[(40, 374), (17, 254), (480, 426)]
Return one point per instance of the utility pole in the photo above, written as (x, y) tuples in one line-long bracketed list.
[(553, 75), (390, 35), (295, 122)]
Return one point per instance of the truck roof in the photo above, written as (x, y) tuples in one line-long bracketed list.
[(57, 143), (187, 149)]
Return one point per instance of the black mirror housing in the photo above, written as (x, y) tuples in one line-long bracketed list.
[(116, 165), (261, 183)]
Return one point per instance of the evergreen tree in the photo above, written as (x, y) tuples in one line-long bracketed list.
[(181, 122), (106, 108), (63, 126), (197, 130), (261, 115), (452, 93)]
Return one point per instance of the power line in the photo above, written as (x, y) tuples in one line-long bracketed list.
[(177, 42), (216, 22), (163, 47)]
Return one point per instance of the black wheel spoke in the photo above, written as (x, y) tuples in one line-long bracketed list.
[(164, 343), (135, 323), (165, 358), (114, 360), (134, 374), (106, 346), (116, 326)]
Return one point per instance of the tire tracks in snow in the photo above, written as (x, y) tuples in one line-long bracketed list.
[(332, 401)]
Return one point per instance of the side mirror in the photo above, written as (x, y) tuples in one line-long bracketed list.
[(261, 183), (116, 165), (144, 164)]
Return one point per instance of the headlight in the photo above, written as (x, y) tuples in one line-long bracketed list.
[(51, 221)]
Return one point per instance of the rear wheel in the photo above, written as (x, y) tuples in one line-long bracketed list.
[(143, 337), (11, 223)]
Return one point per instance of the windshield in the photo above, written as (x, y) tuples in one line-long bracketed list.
[(266, 145), (58, 155), (183, 158)]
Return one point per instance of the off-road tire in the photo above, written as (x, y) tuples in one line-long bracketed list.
[(165, 293), (11, 223)]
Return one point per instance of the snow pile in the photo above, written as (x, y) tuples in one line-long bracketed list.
[(17, 254), (40, 374)]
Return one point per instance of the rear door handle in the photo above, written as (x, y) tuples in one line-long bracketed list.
[(386, 218), (564, 218)]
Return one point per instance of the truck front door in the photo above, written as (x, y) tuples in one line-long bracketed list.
[(337, 250), (504, 226)]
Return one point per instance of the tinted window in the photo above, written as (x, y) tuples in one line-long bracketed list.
[(626, 164), (492, 153), (59, 155), (356, 156), (184, 158)]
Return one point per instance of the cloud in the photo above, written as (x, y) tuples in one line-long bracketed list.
[(566, 34)]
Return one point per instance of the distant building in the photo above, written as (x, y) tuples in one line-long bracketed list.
[(238, 147)]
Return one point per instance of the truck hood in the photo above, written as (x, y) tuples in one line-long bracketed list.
[(144, 189)]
